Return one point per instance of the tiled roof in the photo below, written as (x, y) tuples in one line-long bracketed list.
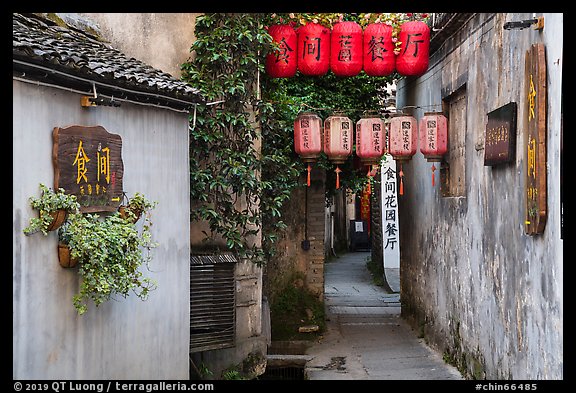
[(70, 52)]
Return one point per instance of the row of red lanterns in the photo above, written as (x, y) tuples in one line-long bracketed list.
[(335, 138), (347, 49)]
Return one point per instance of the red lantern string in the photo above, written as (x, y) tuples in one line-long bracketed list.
[(433, 169), (401, 180), (337, 170), (308, 180)]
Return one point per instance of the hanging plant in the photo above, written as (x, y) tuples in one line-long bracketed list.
[(110, 252), (53, 208), (133, 207)]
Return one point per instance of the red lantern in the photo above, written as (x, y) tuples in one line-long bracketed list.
[(282, 63), (414, 51), (433, 137), (378, 48), (346, 49), (308, 138), (370, 143), (403, 142), (314, 49), (338, 134), (370, 140)]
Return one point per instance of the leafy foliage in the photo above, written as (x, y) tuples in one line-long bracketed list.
[(49, 202)]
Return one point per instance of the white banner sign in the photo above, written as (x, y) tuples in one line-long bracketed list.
[(390, 228)]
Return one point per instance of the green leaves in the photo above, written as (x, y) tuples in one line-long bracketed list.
[(111, 251), (49, 202)]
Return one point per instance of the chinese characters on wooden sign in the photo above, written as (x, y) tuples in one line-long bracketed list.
[(88, 164), (535, 95), (500, 140)]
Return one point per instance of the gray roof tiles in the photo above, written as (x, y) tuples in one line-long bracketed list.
[(71, 51)]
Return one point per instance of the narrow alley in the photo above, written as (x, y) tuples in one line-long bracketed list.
[(366, 338)]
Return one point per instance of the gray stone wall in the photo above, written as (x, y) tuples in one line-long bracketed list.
[(473, 283)]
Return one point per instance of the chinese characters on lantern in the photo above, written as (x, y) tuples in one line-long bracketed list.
[(346, 49), (88, 164)]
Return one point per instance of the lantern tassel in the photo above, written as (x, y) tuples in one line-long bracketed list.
[(401, 173), (308, 179), (337, 170), (433, 169)]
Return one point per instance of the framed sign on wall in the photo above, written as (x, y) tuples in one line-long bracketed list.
[(88, 164)]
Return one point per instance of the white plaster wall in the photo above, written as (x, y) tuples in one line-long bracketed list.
[(123, 338)]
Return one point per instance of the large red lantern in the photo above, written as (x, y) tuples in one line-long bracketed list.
[(308, 138), (346, 49), (414, 51), (338, 140), (282, 62), (403, 141), (378, 50), (313, 49), (433, 137)]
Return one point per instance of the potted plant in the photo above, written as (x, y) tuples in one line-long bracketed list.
[(134, 207), (64, 255), (53, 208), (110, 251)]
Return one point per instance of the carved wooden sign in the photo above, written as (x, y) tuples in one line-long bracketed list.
[(500, 140), (535, 93), (88, 164)]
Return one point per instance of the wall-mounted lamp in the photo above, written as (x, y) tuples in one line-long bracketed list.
[(536, 24), (87, 101)]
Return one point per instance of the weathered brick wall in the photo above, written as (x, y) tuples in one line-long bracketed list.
[(304, 216)]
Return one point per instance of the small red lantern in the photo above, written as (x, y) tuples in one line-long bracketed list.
[(370, 143), (414, 51), (314, 49), (282, 63), (308, 138), (403, 142), (338, 139), (346, 49), (370, 140), (433, 137), (378, 48)]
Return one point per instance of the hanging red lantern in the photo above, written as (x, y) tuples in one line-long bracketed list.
[(338, 134), (314, 49), (403, 136), (378, 50), (346, 49), (414, 51), (370, 140), (282, 62), (433, 137), (370, 143), (308, 138)]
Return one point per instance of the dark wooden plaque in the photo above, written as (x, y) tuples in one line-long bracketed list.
[(535, 93), (500, 141), (88, 164)]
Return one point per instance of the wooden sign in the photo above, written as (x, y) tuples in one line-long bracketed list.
[(88, 164), (500, 141), (535, 93)]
